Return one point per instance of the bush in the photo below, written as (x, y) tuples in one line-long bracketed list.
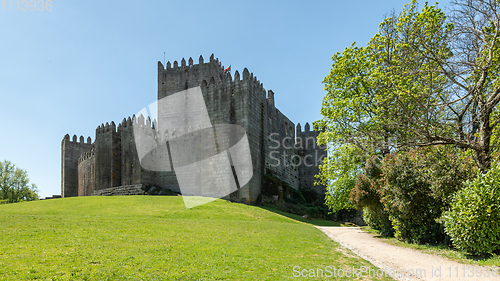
[(378, 219), (473, 222), (366, 194), (417, 186), (406, 197)]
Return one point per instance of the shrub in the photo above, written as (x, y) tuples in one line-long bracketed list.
[(406, 198), (417, 185), (366, 194), (378, 219), (473, 222)]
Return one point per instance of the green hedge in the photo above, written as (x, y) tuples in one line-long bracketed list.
[(473, 222)]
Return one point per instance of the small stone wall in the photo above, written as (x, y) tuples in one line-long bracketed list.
[(120, 190)]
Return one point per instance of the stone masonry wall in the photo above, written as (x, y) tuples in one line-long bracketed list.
[(86, 173), (120, 190)]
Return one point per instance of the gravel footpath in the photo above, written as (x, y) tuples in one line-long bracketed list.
[(404, 263)]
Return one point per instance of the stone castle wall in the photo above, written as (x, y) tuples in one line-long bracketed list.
[(112, 159), (86, 173)]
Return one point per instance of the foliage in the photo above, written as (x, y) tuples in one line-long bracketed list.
[(378, 219), (361, 105), (417, 186), (367, 195), (446, 168), (408, 200), (411, 189), (14, 184), (338, 173), (367, 190), (424, 79), (473, 222)]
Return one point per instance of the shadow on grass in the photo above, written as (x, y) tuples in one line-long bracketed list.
[(376, 233), (483, 257), (313, 221)]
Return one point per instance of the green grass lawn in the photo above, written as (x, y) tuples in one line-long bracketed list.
[(156, 238), (440, 250)]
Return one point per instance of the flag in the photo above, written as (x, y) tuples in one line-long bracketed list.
[(228, 69)]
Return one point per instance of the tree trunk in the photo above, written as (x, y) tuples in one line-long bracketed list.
[(485, 131)]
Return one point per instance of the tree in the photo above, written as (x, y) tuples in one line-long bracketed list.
[(339, 172), (14, 184), (424, 79)]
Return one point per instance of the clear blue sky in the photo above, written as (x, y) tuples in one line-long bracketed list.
[(84, 63)]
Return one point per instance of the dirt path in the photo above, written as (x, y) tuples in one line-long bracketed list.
[(400, 262)]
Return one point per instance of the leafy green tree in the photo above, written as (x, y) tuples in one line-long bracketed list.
[(338, 173), (407, 191), (425, 79), (14, 184), (360, 101)]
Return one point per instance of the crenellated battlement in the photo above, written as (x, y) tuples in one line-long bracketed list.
[(213, 63), (307, 129), (87, 155), (108, 128), (181, 77), (74, 140)]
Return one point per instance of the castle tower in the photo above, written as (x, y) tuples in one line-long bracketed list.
[(131, 172), (108, 156), (312, 155), (227, 101), (71, 150)]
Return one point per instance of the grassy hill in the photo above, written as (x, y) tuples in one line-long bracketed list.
[(155, 238)]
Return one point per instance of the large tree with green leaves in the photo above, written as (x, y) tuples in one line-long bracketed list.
[(426, 78), (14, 184)]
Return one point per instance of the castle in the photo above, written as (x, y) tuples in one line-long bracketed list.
[(278, 147)]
